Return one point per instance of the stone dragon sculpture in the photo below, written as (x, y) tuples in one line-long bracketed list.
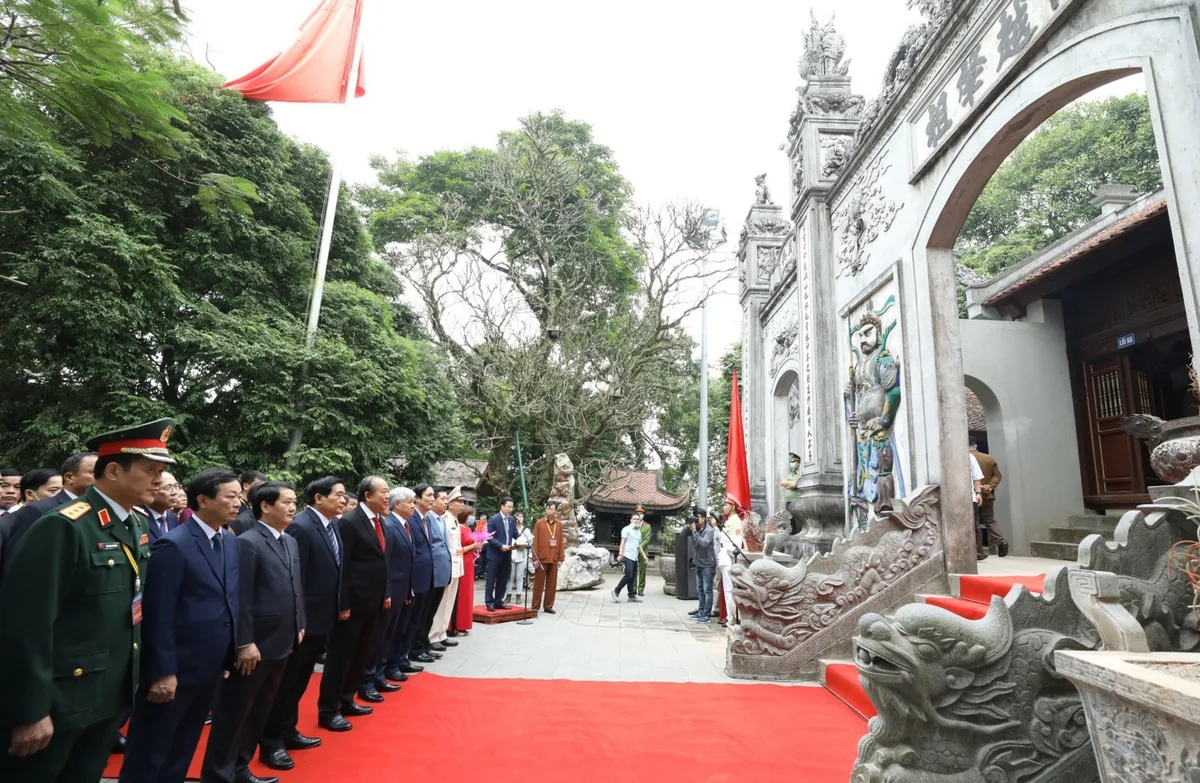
[(974, 701), (781, 606)]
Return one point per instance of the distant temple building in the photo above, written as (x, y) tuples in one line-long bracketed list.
[(623, 491), (469, 474)]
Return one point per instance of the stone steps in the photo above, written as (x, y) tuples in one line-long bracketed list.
[(1064, 540)]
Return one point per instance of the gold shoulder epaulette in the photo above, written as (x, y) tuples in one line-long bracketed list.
[(75, 510)]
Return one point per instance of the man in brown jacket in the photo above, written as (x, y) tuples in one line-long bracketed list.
[(987, 511), (549, 551)]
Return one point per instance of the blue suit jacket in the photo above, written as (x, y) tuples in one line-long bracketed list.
[(190, 608), (441, 551), (400, 559), (152, 527), (496, 524), (422, 569)]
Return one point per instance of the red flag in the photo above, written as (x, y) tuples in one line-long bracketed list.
[(316, 67), (737, 475)]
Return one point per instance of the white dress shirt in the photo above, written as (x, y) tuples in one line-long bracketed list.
[(454, 544), (121, 512)]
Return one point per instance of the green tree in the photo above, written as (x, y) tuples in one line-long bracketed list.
[(141, 303), (558, 304), (1041, 193)]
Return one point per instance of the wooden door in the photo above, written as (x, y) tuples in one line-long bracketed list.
[(1115, 460)]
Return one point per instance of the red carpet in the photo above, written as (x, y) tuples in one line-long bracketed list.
[(842, 681), (482, 614), (972, 610), (461, 730), (981, 588)]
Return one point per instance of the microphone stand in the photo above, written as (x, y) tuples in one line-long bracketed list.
[(524, 592)]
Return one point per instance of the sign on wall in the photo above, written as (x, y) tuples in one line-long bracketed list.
[(978, 71)]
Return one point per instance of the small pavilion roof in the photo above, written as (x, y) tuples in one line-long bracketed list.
[(626, 489)]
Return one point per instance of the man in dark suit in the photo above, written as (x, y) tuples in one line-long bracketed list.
[(158, 513), (381, 674), (499, 566), (190, 632), (320, 549), (404, 650), (78, 473), (442, 566), (271, 625), (364, 595), (245, 519)]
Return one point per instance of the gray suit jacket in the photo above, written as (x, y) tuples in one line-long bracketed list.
[(272, 599)]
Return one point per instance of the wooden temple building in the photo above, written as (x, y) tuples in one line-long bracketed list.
[(623, 491)]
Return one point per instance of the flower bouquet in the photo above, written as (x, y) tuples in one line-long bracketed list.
[(479, 536)]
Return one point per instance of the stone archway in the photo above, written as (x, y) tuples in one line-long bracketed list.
[(784, 431), (1090, 50)]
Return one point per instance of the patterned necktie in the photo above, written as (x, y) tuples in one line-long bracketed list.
[(337, 554)]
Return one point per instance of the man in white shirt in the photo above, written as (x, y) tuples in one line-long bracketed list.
[(730, 546), (627, 553), (441, 618), (976, 497)]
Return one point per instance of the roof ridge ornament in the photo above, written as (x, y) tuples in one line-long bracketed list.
[(824, 49)]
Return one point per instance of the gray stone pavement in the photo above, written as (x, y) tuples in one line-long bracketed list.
[(592, 638)]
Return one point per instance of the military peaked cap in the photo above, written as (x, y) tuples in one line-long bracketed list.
[(141, 440)]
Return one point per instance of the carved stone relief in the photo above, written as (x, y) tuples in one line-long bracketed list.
[(861, 218), (794, 404), (782, 607), (784, 341), (835, 150), (779, 337), (768, 262), (824, 49)]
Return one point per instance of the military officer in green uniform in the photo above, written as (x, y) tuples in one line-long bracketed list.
[(70, 609)]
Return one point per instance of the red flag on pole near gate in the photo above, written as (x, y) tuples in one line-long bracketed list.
[(737, 474), (317, 66)]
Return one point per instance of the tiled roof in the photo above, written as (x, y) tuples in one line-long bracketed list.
[(976, 420), (1067, 251), (458, 473), (625, 490)]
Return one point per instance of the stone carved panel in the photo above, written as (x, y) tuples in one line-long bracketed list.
[(979, 70), (975, 700), (782, 607), (794, 404), (768, 262), (779, 336), (862, 217), (835, 150), (1136, 745)]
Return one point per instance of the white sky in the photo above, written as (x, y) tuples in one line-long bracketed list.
[(693, 97)]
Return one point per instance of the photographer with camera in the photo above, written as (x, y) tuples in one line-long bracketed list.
[(706, 561)]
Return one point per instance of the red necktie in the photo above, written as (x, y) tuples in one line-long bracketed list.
[(378, 532)]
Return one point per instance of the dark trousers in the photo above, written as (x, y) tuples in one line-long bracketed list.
[(386, 631), (629, 578), (499, 569), (349, 648), (75, 756), (987, 519), (420, 643), (285, 711), (406, 630), (243, 703), (163, 737)]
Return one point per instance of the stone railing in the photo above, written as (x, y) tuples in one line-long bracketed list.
[(983, 700), (790, 616)]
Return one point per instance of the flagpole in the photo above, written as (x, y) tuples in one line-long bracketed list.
[(331, 203)]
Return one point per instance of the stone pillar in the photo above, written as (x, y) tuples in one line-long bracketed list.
[(760, 256), (821, 132)]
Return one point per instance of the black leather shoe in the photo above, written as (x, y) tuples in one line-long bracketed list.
[(694, 613), (448, 643), (396, 676), (424, 658), (277, 759), (549, 611), (489, 607), (298, 741), (500, 607), (386, 687), (208, 719), (1002, 547), (437, 656), (437, 647), (335, 723), (354, 708), (119, 744), (370, 695), (249, 777), (408, 668), (452, 634)]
